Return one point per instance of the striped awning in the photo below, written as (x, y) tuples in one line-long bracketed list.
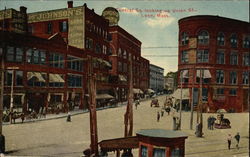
[(37, 75), (55, 78), (206, 73)]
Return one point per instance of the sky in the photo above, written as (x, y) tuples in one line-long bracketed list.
[(154, 23)]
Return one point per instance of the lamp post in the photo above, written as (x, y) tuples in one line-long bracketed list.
[(12, 91)]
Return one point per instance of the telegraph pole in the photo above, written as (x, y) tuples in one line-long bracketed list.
[(199, 113), (92, 108), (128, 117), (192, 101), (181, 73)]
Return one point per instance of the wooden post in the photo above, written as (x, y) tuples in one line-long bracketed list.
[(92, 108), (128, 117)]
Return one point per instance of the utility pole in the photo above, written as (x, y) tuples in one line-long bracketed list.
[(92, 108), (128, 117), (199, 112), (181, 73), (192, 100)]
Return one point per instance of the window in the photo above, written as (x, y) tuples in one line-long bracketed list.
[(36, 56), (233, 40), (120, 66), (184, 57), (220, 57), (203, 37), (202, 56), (89, 43), (56, 80), (19, 78), (98, 48), (221, 39), (56, 60), (233, 59), (245, 77), (184, 38), (219, 76), (119, 52), (233, 91), (14, 54), (159, 152), (8, 78), (36, 79), (125, 54), (204, 94), (104, 49), (144, 151), (63, 26), (246, 59), (49, 28), (220, 91), (74, 80), (233, 77), (246, 42), (125, 67), (31, 29), (75, 63)]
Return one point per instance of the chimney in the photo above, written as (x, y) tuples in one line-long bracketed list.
[(70, 4), (23, 9)]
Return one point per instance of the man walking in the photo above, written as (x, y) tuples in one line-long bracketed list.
[(237, 137), (158, 116), (229, 139)]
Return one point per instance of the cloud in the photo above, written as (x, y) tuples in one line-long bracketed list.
[(128, 11), (160, 20)]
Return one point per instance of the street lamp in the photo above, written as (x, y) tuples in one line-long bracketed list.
[(11, 91)]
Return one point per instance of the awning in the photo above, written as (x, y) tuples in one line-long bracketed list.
[(55, 78), (185, 93), (185, 74), (122, 78), (37, 75), (107, 63), (119, 143), (206, 73), (150, 90), (104, 96), (137, 91)]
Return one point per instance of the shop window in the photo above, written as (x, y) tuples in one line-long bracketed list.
[(144, 151), (184, 38), (184, 57), (246, 59), (233, 92), (221, 39), (233, 59), (220, 57), (233, 40), (220, 76), (233, 77), (202, 56), (159, 152), (245, 77), (246, 42), (203, 37)]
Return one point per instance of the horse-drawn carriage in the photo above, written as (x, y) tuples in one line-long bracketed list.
[(154, 103), (221, 122)]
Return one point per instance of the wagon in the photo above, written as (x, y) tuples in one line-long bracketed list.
[(155, 103), (221, 122)]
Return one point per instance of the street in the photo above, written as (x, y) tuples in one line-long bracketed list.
[(57, 137)]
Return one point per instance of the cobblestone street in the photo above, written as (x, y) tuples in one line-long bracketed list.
[(57, 137)]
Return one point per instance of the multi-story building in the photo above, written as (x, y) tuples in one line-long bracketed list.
[(215, 49), (156, 81), (124, 47)]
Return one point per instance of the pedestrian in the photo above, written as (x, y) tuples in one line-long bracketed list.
[(209, 123), (158, 116), (212, 122), (237, 137), (162, 113), (69, 117), (229, 139), (168, 110)]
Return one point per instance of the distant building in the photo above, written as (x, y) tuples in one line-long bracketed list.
[(169, 83), (216, 49), (156, 78)]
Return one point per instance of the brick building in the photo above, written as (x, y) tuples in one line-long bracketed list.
[(216, 49)]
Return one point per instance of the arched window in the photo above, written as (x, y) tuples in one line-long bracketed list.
[(233, 40), (221, 39), (120, 52), (125, 54), (203, 37), (184, 38), (246, 42)]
